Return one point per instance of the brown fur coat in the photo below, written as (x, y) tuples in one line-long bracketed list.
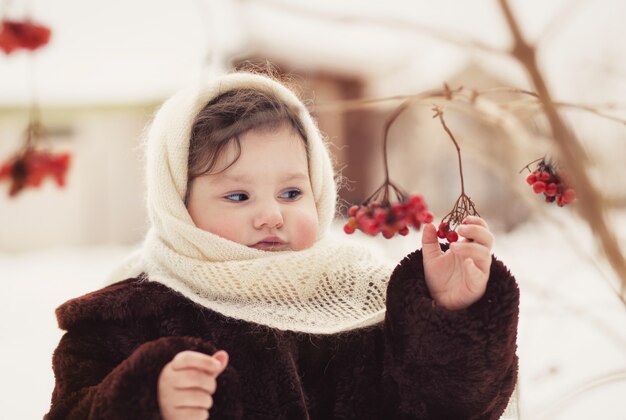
[(423, 362)]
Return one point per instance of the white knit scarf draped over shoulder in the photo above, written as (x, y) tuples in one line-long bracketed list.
[(331, 287)]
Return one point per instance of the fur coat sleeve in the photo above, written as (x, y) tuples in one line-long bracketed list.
[(108, 363), (451, 364)]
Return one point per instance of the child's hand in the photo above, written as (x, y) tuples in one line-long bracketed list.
[(458, 277), (187, 384)]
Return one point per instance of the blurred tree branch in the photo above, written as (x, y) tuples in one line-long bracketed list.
[(469, 94), (592, 205)]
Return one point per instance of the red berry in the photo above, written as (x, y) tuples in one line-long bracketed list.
[(443, 229), (380, 215), (361, 213), (352, 211), (559, 200), (388, 233), (404, 231), (452, 236), (397, 208), (544, 176), (531, 179), (551, 189), (539, 187), (370, 227), (347, 229), (569, 195), (428, 218)]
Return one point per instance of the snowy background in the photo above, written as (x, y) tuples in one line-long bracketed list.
[(110, 64)]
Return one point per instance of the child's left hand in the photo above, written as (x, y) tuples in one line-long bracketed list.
[(458, 277)]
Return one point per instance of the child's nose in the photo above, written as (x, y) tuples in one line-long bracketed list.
[(269, 216)]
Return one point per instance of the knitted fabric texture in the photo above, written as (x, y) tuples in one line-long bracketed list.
[(331, 287)]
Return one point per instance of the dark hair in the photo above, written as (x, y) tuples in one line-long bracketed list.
[(228, 116)]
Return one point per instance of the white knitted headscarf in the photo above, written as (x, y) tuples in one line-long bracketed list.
[(331, 287)]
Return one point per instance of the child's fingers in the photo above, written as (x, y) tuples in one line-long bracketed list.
[(192, 413), (223, 358), (193, 398), (475, 220), (195, 360), (430, 243), (476, 233), (196, 379), (475, 276), (476, 252)]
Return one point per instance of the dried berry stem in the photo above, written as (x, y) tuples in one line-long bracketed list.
[(530, 163), (439, 114), (388, 124), (383, 193), (463, 207)]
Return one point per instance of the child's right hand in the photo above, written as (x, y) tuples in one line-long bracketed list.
[(187, 384)]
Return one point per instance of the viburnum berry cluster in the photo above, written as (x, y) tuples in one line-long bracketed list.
[(15, 35), (463, 207), (32, 164), (388, 218), (549, 180), (374, 216), (29, 169)]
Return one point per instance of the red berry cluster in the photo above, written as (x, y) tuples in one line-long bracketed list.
[(463, 207), (30, 168), (372, 218), (15, 35), (552, 183), (445, 232)]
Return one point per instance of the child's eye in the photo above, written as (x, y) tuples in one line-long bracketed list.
[(236, 197), (291, 194)]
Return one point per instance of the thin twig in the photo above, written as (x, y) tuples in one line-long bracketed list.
[(439, 114), (464, 94)]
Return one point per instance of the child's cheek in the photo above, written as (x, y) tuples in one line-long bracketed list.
[(305, 233), (226, 228)]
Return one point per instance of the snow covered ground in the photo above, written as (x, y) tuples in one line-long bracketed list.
[(572, 329)]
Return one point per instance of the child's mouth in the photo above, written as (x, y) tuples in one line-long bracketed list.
[(269, 246)]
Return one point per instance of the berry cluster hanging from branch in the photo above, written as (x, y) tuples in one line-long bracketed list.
[(548, 179), (26, 35), (464, 206), (379, 214), (32, 163)]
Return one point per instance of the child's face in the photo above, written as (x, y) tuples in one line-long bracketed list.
[(264, 200)]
